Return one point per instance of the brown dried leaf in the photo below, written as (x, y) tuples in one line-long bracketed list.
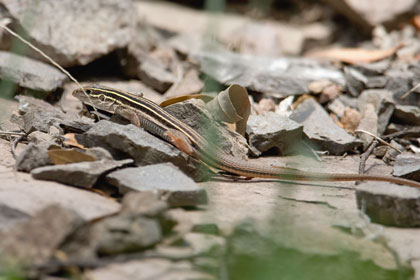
[(72, 142), (353, 55), (232, 106), (62, 156)]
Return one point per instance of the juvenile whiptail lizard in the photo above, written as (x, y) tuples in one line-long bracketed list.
[(154, 119)]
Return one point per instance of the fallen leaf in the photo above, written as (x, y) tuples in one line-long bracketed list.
[(72, 142), (353, 55), (232, 106), (59, 155)]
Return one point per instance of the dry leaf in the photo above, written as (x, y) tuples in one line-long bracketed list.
[(59, 155), (232, 106), (206, 98), (353, 55), (72, 142)]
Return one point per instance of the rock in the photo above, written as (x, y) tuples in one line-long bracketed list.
[(355, 81), (264, 106), (273, 131), (337, 107), (376, 82), (99, 153), (373, 13), (383, 106), (10, 217), (407, 166), (125, 234), (391, 153), (206, 244), (194, 113), (189, 84), (389, 204), (407, 114), (330, 92), (321, 130), (268, 37), (81, 174), (399, 81), (145, 269), (374, 68), (70, 125), (29, 73), (35, 241), (279, 77), (369, 123), (154, 74), (101, 27), (167, 180), (22, 193), (146, 204), (38, 137), (113, 235), (38, 115), (128, 140), (34, 156)]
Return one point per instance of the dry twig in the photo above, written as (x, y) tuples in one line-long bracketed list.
[(379, 139), (366, 155)]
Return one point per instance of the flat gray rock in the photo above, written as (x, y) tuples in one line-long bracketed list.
[(407, 114), (38, 115), (145, 204), (273, 131), (368, 122), (381, 99), (20, 192), (389, 204), (100, 26), (407, 166), (355, 81), (128, 140), (30, 73), (369, 14), (35, 241), (280, 77), (321, 129), (154, 74), (80, 174), (34, 156), (167, 180)]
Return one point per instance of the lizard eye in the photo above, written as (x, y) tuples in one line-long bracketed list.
[(88, 91)]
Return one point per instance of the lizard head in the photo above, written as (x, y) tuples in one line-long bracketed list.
[(96, 96)]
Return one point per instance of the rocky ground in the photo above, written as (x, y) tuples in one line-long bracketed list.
[(325, 88)]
